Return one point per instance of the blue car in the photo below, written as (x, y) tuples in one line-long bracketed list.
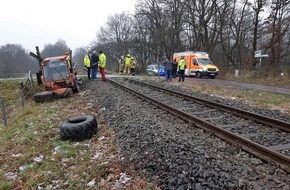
[(152, 70)]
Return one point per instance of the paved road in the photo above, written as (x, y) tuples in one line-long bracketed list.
[(220, 83), (234, 84)]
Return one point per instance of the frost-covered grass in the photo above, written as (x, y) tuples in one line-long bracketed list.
[(32, 155)]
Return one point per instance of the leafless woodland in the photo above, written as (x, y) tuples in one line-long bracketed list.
[(229, 30)]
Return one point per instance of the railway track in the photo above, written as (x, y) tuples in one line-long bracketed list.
[(264, 137)]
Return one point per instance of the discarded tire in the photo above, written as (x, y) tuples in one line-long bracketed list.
[(47, 96), (65, 94), (79, 128), (43, 96)]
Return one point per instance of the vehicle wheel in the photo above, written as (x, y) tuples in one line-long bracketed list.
[(198, 75), (212, 77), (79, 128), (76, 87), (44, 96), (64, 94)]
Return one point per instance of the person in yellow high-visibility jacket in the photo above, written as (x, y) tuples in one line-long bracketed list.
[(102, 64), (127, 64), (87, 63), (181, 69)]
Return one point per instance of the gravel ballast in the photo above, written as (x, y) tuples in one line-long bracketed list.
[(177, 155)]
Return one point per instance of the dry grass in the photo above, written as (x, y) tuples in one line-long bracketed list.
[(257, 98), (255, 78), (260, 99), (32, 155)]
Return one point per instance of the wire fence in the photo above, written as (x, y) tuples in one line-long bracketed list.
[(25, 90)]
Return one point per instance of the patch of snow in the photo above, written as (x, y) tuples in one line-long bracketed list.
[(11, 176), (101, 138), (56, 150), (16, 155), (38, 159), (97, 155), (124, 178), (90, 105), (22, 168), (91, 183), (65, 159), (104, 163), (81, 144)]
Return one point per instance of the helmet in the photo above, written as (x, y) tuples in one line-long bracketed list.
[(122, 57), (132, 57), (128, 55), (94, 52)]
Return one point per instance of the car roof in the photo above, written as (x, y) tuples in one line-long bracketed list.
[(155, 65)]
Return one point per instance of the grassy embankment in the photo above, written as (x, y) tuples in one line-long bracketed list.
[(257, 98), (32, 154), (248, 77), (253, 97)]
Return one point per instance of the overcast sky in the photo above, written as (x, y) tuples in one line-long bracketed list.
[(38, 22)]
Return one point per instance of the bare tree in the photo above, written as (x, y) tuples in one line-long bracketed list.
[(257, 6), (231, 31), (278, 24), (174, 12), (155, 12), (201, 19), (59, 48), (14, 59), (235, 17), (141, 44), (79, 54), (117, 36)]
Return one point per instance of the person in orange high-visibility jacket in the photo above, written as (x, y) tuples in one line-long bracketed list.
[(102, 64), (181, 69)]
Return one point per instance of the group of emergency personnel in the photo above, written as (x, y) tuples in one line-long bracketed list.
[(171, 68), (92, 62), (127, 65)]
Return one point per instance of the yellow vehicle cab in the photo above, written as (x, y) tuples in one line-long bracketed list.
[(198, 64)]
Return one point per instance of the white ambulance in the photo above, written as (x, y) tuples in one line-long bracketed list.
[(198, 64)]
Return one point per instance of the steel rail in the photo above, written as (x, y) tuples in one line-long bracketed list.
[(235, 111), (249, 146)]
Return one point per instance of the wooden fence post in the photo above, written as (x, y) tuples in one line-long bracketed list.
[(3, 110)]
